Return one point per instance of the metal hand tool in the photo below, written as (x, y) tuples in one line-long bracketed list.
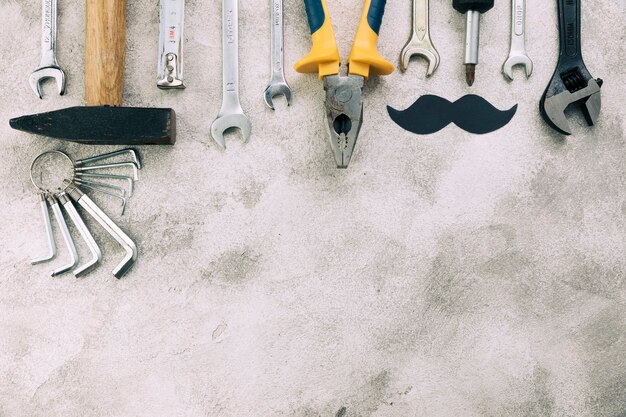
[(67, 237), (101, 190), (103, 121), (109, 166), (419, 43), (122, 238), (133, 154), (472, 10), (131, 182), (52, 249), (122, 191), (344, 102), (517, 52), (571, 82), (277, 85), (85, 234), (48, 67), (170, 68), (231, 114)]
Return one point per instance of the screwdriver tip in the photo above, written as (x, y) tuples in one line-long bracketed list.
[(470, 73)]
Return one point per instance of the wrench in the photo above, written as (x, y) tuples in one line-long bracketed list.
[(231, 114), (517, 53), (170, 68), (419, 43), (48, 67), (571, 82), (277, 85)]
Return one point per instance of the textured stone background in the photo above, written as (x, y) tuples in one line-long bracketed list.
[(448, 275)]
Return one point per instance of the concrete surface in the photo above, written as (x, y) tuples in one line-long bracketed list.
[(448, 275)]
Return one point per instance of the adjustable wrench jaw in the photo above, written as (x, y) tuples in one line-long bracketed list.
[(553, 107), (344, 114)]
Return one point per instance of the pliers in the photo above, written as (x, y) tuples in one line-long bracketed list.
[(344, 102)]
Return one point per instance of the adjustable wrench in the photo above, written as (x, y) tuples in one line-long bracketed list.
[(231, 114), (48, 67), (571, 82), (419, 43), (277, 85), (517, 52), (170, 69)]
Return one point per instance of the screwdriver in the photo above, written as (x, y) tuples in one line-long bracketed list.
[(472, 10)]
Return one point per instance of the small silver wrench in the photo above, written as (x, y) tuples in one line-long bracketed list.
[(170, 68), (517, 53), (419, 43), (277, 85), (48, 67), (231, 114)]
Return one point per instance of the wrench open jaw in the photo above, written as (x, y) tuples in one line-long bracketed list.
[(424, 49), (515, 60), (230, 121), (553, 106), (274, 89), (40, 74)]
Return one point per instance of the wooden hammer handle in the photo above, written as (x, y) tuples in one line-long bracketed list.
[(105, 52)]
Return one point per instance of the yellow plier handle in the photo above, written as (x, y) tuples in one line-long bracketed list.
[(364, 58)]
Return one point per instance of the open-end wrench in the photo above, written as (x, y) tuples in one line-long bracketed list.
[(277, 85), (48, 67), (571, 82), (170, 68), (85, 234), (419, 43), (231, 114), (52, 249), (517, 52), (105, 221), (67, 237)]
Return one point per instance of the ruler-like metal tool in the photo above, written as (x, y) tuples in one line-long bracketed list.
[(170, 69)]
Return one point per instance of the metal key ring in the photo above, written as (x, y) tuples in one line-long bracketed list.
[(32, 165)]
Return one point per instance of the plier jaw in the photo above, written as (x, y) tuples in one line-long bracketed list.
[(344, 114)]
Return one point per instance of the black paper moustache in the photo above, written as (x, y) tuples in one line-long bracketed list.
[(472, 113)]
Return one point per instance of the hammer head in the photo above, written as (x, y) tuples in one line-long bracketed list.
[(103, 125)]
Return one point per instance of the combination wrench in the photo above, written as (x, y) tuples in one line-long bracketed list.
[(277, 85), (170, 68), (420, 43), (517, 52), (231, 114), (48, 67)]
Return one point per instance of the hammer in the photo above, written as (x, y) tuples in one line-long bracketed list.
[(103, 121)]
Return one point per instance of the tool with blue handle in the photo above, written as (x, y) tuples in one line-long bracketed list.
[(344, 102)]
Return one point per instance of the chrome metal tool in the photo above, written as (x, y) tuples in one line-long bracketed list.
[(517, 52), (277, 85), (231, 114), (48, 67), (170, 68), (419, 43)]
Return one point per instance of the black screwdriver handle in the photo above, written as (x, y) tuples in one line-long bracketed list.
[(481, 6)]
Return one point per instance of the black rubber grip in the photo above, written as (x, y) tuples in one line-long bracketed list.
[(464, 6)]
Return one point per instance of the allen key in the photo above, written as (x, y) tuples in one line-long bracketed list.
[(133, 154), (52, 248), (84, 232), (113, 229), (67, 237)]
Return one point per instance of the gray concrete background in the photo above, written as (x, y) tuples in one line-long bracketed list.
[(447, 275)]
